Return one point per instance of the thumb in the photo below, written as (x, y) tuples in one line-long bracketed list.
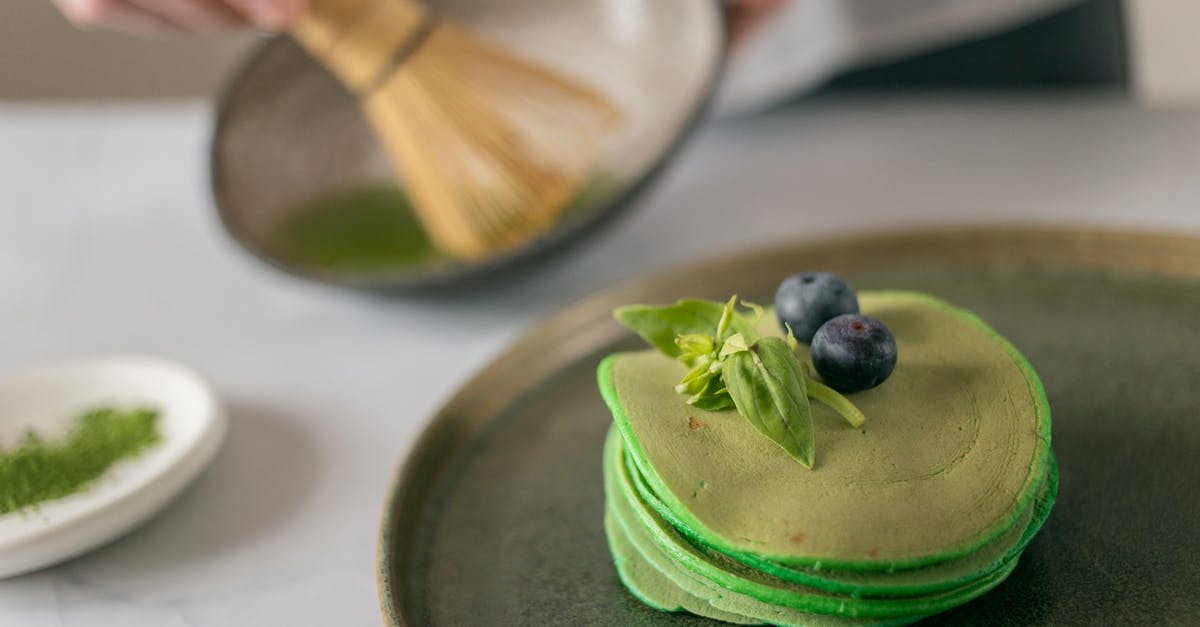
[(270, 14)]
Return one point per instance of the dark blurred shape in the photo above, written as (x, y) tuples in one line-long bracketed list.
[(1080, 46)]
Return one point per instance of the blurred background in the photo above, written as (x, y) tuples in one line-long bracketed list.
[(42, 56), (1145, 45)]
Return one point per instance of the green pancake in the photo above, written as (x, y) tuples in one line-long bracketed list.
[(662, 584), (661, 592), (732, 587), (892, 583), (954, 451), (654, 588)]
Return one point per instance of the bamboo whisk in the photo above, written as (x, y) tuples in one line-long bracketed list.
[(491, 147)]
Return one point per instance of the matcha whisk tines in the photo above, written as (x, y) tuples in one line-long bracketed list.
[(491, 147)]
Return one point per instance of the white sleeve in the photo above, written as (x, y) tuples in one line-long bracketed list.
[(810, 40)]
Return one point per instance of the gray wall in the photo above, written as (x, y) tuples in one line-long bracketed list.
[(42, 56)]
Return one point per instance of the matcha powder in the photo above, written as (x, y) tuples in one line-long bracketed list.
[(36, 470)]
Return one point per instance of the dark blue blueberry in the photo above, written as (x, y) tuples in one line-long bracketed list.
[(853, 352), (805, 301)]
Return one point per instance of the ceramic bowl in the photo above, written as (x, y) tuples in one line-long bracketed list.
[(45, 399), (287, 135)]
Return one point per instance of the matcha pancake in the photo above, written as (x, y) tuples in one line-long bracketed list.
[(689, 594), (950, 460), (656, 589), (651, 575), (732, 587), (888, 583)]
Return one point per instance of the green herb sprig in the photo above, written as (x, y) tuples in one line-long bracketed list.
[(731, 367)]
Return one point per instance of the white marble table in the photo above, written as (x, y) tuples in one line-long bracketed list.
[(108, 244)]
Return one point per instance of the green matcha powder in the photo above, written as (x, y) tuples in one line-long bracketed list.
[(375, 230), (37, 471)]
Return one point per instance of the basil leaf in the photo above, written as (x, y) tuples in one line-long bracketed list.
[(712, 395), (718, 401), (727, 315), (756, 308), (694, 345), (818, 391), (735, 344), (767, 385), (661, 325), (698, 378)]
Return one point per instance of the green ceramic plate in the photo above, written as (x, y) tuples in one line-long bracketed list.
[(497, 515)]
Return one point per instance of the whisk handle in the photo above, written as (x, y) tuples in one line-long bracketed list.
[(361, 41)]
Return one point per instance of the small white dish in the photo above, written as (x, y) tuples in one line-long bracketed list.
[(48, 398)]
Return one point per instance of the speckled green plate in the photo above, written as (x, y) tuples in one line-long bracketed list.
[(496, 517)]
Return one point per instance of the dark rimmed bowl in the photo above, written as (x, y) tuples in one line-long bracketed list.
[(287, 134)]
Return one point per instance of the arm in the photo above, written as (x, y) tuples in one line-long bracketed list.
[(159, 16)]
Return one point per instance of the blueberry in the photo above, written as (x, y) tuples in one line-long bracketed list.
[(805, 301), (853, 352)]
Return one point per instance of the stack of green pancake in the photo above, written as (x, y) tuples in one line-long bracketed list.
[(926, 506)]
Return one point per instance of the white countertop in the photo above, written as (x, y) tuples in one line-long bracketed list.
[(108, 244)]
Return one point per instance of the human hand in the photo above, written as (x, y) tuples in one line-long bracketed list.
[(166, 16), (159, 16), (746, 16)]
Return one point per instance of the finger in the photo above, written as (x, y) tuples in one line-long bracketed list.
[(195, 15), (747, 16), (270, 14), (114, 14)]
